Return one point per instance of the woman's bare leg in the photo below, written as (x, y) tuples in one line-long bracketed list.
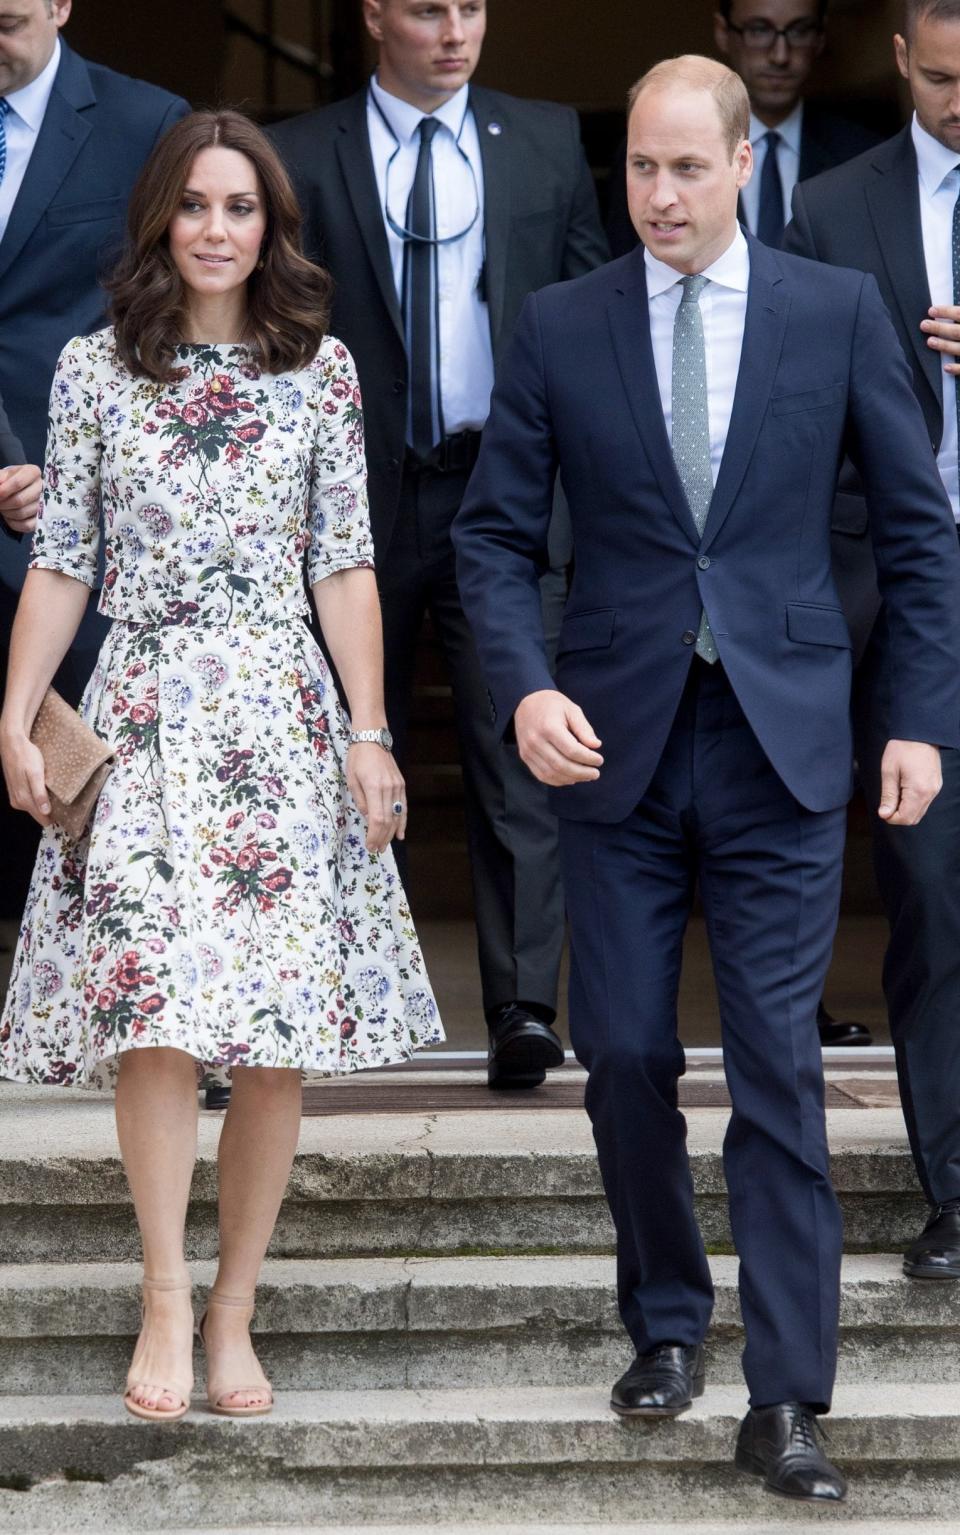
[(157, 1127), (257, 1147)]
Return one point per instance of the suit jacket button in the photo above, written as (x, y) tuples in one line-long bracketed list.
[(703, 562), (688, 637), (393, 463), (399, 386)]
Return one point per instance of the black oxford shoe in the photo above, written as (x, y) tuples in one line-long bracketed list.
[(936, 1252), (660, 1384), (522, 1048), (841, 1031), (782, 1444), (217, 1097)]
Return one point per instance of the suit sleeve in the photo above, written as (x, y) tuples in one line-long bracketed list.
[(178, 108), (501, 531), (798, 237), (11, 452), (11, 448), (913, 532), (585, 246)]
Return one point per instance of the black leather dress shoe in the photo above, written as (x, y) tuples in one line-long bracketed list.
[(936, 1252), (523, 1048), (216, 1098), (782, 1444), (660, 1384), (835, 1031)]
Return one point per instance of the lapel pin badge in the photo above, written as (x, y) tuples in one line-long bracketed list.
[(495, 129)]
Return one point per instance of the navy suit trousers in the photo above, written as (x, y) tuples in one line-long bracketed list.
[(716, 814)]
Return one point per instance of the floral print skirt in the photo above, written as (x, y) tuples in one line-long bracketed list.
[(223, 901)]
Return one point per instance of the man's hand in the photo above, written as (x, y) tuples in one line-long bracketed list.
[(942, 330), (910, 780), (20, 488), (556, 740)]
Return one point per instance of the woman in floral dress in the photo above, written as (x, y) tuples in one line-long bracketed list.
[(234, 905)]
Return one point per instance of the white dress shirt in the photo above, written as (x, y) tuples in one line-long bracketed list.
[(466, 349), (939, 187), (723, 304), (788, 159), (22, 124)]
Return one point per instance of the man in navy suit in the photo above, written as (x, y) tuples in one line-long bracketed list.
[(894, 213), (73, 137), (697, 397)]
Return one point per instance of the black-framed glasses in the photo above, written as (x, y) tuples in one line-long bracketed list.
[(761, 36)]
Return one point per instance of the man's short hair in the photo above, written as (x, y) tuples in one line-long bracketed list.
[(699, 73), (939, 10), (725, 7)]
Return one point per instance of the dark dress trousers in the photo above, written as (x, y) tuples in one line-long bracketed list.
[(825, 141), (65, 226), (541, 224), (736, 776), (867, 215)]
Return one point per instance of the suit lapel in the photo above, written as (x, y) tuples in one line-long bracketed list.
[(894, 203), (496, 153), (62, 135), (629, 318), (767, 309), (356, 164)]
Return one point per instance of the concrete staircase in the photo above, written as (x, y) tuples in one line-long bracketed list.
[(438, 1321)]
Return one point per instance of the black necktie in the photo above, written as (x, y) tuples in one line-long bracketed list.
[(770, 220), (425, 422)]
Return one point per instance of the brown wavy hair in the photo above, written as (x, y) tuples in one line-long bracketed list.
[(288, 299)]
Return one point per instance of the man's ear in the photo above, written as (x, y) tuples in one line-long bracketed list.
[(901, 53), (372, 17), (721, 34)]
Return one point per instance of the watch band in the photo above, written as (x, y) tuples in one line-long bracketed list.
[(376, 737)]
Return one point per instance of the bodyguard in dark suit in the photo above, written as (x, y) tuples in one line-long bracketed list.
[(73, 137), (893, 213), (697, 397), (438, 206), (773, 45)]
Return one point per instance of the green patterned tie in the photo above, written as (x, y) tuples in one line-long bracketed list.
[(691, 422)]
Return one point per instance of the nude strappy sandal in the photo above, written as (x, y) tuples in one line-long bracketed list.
[(175, 1388), (217, 1389)]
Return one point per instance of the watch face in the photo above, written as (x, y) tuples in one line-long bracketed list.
[(387, 739)]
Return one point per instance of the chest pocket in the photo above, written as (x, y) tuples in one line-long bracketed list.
[(61, 214), (807, 399)]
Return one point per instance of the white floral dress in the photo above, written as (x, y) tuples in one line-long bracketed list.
[(223, 901)]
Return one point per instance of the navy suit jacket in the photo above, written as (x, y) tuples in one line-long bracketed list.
[(66, 224), (866, 214), (820, 374)]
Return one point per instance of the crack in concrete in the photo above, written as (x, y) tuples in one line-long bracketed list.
[(422, 1140)]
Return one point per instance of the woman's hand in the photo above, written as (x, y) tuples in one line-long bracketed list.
[(23, 771), (376, 784)]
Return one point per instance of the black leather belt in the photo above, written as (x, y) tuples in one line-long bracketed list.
[(451, 455)]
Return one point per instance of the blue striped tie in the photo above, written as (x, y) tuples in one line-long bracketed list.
[(4, 109)]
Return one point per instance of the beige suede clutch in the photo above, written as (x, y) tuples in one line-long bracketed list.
[(76, 762)]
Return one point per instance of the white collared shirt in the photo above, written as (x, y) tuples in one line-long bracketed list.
[(723, 304), (788, 159), (466, 348), (939, 187), (23, 123)]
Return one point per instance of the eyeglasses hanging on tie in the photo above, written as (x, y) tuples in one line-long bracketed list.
[(400, 229)]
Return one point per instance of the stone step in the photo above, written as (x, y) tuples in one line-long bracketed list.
[(425, 1323), (506, 1181), (496, 1456), (637, 1527)]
